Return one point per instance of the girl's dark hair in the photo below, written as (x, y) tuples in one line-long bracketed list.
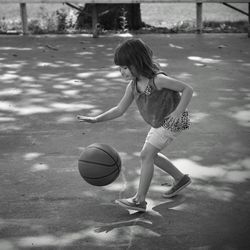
[(136, 55)]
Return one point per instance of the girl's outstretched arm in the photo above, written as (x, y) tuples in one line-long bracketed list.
[(114, 112)]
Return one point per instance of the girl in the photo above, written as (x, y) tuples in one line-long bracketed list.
[(161, 105)]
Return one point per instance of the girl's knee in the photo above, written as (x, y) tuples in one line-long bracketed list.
[(143, 154), (148, 153)]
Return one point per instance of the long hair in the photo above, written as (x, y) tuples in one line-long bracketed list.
[(137, 56)]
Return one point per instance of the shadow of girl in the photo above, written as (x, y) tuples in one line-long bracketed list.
[(168, 224), (151, 219)]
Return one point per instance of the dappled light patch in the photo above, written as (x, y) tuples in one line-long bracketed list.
[(215, 104), (226, 98), (74, 82), (195, 94), (110, 54), (9, 66), (217, 172), (28, 108), (101, 80), (215, 192), (129, 35), (227, 90), (47, 64), (162, 62), (60, 86), (7, 119), (85, 53), (171, 45), (8, 78), (90, 236), (67, 107), (32, 109), (28, 79), (37, 167), (72, 65), (181, 207), (95, 111), (137, 154), (46, 76), (163, 65), (71, 92), (94, 234), (246, 64), (85, 74), (125, 156), (65, 119), (10, 127), (7, 106), (34, 91), (113, 74), (197, 117), (241, 116), (245, 90), (159, 188), (115, 186), (184, 76), (101, 89), (31, 156), (10, 92), (37, 100), (204, 59), (15, 48)]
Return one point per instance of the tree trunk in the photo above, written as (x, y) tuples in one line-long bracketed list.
[(112, 16)]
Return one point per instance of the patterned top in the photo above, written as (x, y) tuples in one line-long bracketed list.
[(154, 105)]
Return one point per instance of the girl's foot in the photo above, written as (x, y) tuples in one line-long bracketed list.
[(182, 183), (132, 204)]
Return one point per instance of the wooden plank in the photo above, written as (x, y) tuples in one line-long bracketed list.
[(24, 18), (124, 1), (199, 18), (249, 19), (234, 8), (94, 21)]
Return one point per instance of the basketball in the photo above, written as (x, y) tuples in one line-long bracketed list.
[(99, 164)]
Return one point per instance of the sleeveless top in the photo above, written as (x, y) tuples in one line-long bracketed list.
[(154, 105)]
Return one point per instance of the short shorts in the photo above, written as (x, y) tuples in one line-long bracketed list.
[(161, 137)]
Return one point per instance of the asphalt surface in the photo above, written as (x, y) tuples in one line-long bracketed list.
[(45, 204)]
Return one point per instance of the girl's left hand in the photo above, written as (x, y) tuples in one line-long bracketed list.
[(173, 118), (88, 119)]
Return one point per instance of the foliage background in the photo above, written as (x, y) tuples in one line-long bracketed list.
[(159, 15)]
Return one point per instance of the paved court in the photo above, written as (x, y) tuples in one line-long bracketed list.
[(44, 203)]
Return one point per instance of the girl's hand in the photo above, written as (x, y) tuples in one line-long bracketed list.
[(173, 118), (82, 118)]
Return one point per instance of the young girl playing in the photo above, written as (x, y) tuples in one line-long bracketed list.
[(162, 101)]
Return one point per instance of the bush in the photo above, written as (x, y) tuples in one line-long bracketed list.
[(61, 16), (64, 21), (34, 27)]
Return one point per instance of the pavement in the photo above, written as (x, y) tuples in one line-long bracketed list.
[(45, 81)]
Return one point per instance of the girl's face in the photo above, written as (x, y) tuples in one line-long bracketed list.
[(126, 73)]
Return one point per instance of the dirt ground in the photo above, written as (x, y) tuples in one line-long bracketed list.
[(45, 204)]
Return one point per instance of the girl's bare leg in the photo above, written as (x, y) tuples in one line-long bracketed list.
[(166, 165), (148, 155)]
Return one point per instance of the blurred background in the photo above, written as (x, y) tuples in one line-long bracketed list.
[(170, 17)]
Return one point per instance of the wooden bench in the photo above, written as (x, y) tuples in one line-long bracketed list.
[(199, 3)]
